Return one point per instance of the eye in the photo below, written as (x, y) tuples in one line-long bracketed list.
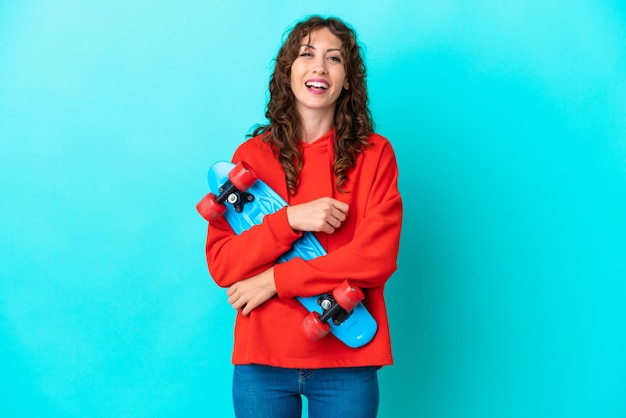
[(305, 54), (335, 59)]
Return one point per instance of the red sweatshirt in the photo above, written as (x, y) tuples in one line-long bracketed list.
[(364, 249)]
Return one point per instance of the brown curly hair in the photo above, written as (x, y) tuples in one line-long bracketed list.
[(353, 119)]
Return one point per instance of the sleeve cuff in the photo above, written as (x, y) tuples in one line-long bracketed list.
[(280, 228), (283, 273)]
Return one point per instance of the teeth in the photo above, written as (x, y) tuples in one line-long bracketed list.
[(317, 84)]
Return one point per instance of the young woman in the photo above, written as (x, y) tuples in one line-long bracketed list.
[(320, 153)]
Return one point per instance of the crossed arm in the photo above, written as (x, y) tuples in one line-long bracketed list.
[(321, 215)]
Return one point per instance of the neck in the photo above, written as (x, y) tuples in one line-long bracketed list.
[(316, 125)]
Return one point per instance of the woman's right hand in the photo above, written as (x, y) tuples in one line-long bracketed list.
[(321, 215)]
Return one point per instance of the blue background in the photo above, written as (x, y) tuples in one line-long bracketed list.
[(508, 119)]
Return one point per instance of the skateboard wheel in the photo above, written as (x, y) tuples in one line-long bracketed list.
[(314, 328), (242, 176), (209, 208), (348, 296)]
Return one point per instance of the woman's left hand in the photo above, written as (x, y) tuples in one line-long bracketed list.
[(249, 294)]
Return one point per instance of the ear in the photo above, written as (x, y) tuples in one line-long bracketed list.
[(346, 85)]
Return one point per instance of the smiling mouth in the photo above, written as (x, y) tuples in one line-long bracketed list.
[(316, 85)]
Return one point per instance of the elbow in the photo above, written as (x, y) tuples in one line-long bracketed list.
[(379, 276), (387, 273), (220, 276)]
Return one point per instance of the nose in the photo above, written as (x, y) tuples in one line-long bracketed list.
[(319, 66)]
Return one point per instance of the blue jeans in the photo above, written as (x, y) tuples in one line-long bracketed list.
[(274, 392)]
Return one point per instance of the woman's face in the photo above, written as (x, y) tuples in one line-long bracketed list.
[(318, 73)]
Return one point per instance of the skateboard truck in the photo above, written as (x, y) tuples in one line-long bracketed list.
[(332, 310), (229, 193), (232, 191), (337, 307)]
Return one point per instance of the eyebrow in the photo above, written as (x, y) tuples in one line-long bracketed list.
[(312, 47)]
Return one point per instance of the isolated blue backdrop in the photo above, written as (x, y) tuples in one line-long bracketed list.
[(508, 119)]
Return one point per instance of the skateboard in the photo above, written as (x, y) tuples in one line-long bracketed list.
[(237, 194)]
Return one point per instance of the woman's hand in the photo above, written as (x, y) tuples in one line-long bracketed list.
[(249, 294), (321, 215)]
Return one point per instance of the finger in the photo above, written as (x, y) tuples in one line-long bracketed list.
[(341, 206), (234, 299), (336, 219), (339, 216), (243, 309), (328, 228), (333, 223), (238, 304), (249, 307), (246, 310)]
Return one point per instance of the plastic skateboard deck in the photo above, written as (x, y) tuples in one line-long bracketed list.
[(244, 207)]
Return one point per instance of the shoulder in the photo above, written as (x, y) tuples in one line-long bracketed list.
[(380, 147), (254, 151), (378, 142), (375, 138), (251, 147), (259, 155)]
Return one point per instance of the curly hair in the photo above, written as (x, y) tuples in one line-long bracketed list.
[(353, 119)]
